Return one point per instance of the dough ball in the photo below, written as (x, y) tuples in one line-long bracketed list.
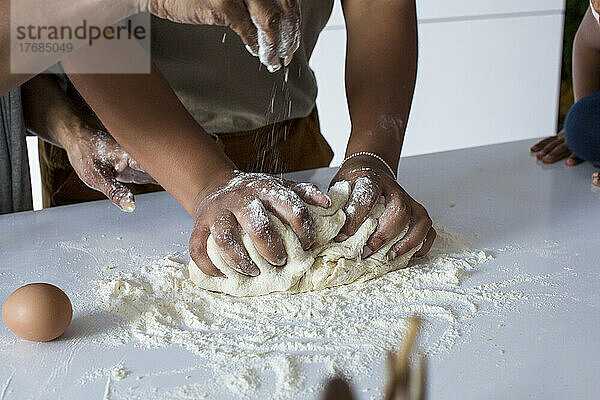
[(326, 264)]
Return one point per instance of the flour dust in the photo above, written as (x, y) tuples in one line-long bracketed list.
[(345, 329)]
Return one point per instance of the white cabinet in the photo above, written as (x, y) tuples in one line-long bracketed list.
[(488, 73), (429, 10)]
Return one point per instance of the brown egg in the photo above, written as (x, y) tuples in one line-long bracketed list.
[(39, 312)]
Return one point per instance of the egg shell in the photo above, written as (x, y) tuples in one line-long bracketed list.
[(39, 312)]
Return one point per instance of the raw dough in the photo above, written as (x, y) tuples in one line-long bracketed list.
[(325, 264)]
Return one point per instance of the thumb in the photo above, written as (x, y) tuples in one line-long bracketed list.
[(104, 180)]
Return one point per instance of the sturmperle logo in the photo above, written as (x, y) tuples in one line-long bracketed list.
[(42, 43)]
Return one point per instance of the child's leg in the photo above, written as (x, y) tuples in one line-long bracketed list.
[(582, 128)]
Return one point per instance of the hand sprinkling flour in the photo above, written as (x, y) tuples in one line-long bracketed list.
[(269, 29), (241, 203)]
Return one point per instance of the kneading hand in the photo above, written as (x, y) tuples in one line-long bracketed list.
[(103, 165), (370, 180), (240, 201), (270, 29)]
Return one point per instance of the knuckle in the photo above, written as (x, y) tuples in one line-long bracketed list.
[(398, 210), (273, 19), (400, 203), (257, 222), (389, 228)]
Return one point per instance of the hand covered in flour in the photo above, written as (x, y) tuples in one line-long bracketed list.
[(270, 29), (370, 180), (103, 165), (240, 201)]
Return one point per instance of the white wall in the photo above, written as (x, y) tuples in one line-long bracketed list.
[(34, 171), (488, 73)]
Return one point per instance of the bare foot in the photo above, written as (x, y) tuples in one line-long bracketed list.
[(596, 179)]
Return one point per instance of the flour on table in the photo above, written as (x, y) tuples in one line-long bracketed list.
[(117, 372), (344, 330), (325, 264)]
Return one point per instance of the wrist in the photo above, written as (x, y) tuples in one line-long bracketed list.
[(376, 143), (208, 183), (363, 164), (372, 156), (66, 129)]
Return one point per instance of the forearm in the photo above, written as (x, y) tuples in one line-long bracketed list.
[(381, 65), (145, 117), (586, 58), (55, 13), (48, 111)]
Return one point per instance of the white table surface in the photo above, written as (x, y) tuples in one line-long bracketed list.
[(498, 192)]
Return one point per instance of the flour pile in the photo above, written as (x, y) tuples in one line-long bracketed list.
[(347, 328)]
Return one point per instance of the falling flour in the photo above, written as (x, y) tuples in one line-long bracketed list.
[(346, 329)]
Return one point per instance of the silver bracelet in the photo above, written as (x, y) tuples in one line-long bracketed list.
[(375, 156)]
